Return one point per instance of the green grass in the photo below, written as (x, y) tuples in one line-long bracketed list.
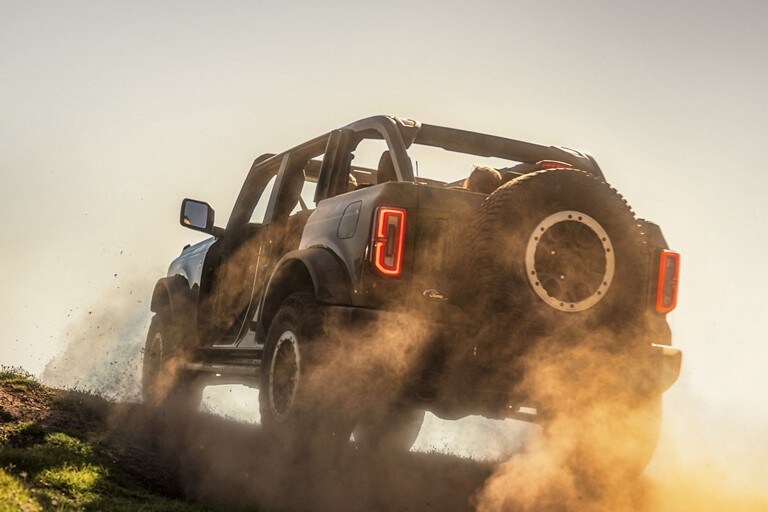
[(18, 379), (45, 469), (19, 429), (14, 495), (64, 473)]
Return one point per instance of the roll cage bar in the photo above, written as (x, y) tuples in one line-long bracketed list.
[(399, 135)]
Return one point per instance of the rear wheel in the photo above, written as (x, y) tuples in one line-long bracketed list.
[(296, 411), (394, 431)]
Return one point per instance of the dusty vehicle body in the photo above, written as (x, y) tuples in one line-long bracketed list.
[(381, 243)]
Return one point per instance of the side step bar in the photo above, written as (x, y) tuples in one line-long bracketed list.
[(222, 373)]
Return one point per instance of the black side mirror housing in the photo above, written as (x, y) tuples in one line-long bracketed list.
[(199, 216)]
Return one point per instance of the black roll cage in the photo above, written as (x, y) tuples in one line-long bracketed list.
[(399, 134)]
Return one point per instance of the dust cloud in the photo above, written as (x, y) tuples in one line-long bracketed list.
[(371, 364), (590, 455), (593, 442), (233, 465), (586, 457)]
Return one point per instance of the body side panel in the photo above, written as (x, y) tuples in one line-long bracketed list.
[(189, 264)]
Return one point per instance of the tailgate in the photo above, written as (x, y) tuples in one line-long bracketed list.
[(442, 225)]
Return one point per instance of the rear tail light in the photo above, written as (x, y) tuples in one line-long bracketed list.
[(669, 273), (388, 236), (552, 164)]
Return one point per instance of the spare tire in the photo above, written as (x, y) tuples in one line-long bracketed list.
[(563, 266), (559, 247)]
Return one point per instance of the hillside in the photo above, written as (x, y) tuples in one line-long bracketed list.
[(57, 453), (66, 450)]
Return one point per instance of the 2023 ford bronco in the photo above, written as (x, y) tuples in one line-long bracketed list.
[(356, 292)]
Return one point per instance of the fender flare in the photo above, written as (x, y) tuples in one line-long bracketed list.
[(173, 295), (317, 270)]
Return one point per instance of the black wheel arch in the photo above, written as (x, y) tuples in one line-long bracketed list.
[(173, 296), (315, 270)]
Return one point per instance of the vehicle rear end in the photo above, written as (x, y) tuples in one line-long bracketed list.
[(552, 259)]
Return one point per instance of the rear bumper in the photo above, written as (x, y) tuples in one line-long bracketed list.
[(667, 362), (648, 371)]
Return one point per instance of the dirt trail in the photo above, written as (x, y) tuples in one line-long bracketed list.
[(230, 465)]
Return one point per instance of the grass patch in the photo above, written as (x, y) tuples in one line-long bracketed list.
[(57, 449), (60, 471), (43, 468), (76, 481), (18, 379), (66, 473), (14, 494), (15, 431)]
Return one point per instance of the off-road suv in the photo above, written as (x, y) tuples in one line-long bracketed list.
[(358, 283)]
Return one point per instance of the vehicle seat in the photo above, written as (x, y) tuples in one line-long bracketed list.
[(294, 228), (289, 197), (386, 169)]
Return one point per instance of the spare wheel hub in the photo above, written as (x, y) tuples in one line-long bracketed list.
[(570, 261)]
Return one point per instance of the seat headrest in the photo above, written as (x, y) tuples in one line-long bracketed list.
[(289, 195), (386, 169)]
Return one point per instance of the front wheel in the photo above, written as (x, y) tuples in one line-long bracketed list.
[(165, 383)]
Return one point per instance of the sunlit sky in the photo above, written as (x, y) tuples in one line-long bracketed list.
[(112, 112)]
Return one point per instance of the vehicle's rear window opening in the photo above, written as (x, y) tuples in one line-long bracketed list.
[(431, 165)]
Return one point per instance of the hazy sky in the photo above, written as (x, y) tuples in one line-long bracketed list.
[(112, 112)]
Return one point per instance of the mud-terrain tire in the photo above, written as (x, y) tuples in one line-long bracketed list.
[(165, 384), (395, 431), (559, 247), (299, 413)]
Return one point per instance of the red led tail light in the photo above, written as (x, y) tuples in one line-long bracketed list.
[(669, 273), (388, 238), (552, 164)]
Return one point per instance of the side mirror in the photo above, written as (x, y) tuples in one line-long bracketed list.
[(199, 216)]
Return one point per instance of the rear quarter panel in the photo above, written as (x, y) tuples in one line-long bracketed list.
[(322, 230), (437, 222)]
